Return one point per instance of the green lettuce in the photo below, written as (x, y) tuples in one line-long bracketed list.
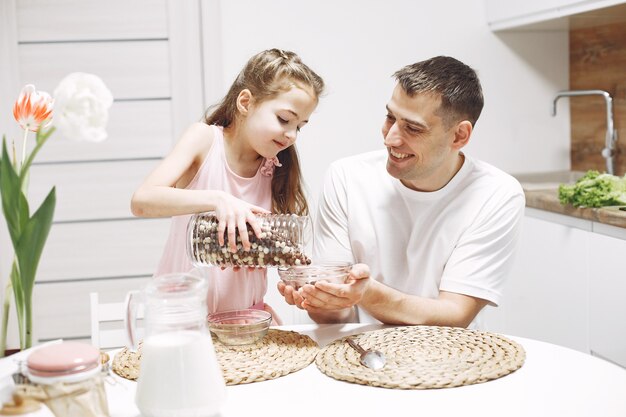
[(594, 190)]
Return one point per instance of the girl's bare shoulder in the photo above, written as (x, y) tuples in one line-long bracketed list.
[(197, 140), (200, 133)]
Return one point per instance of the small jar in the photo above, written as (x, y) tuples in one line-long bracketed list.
[(282, 242), (66, 377)]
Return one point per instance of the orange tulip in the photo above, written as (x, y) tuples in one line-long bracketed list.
[(33, 109)]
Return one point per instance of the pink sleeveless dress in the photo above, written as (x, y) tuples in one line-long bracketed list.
[(228, 290)]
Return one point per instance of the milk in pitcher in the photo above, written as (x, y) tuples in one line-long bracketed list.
[(179, 376)]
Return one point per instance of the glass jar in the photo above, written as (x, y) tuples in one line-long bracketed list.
[(179, 375), (282, 242), (67, 377)]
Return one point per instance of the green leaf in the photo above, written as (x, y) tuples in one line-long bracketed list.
[(31, 244), (14, 203)]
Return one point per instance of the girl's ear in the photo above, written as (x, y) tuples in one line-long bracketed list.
[(244, 100), (462, 134)]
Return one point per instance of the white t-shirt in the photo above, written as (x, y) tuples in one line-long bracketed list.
[(459, 239)]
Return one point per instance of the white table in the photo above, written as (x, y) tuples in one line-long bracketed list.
[(554, 381)]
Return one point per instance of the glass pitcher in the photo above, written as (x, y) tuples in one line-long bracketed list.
[(179, 374)]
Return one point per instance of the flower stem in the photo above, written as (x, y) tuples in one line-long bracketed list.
[(14, 154), (24, 146), (28, 330), (5, 318)]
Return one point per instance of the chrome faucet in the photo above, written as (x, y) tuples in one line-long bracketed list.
[(611, 133)]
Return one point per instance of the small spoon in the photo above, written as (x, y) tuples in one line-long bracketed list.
[(373, 359)]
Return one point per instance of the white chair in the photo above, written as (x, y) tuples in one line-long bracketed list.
[(107, 324)]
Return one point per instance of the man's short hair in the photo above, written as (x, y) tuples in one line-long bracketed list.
[(456, 83)]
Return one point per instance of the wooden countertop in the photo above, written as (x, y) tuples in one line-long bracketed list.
[(548, 200)]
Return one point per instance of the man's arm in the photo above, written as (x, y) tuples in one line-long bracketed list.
[(327, 303), (471, 279)]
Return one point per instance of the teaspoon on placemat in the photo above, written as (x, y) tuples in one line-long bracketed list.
[(372, 359)]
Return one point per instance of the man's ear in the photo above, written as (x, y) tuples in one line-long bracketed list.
[(462, 134), (244, 101)]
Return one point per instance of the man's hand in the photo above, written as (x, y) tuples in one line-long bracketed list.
[(291, 295), (324, 296)]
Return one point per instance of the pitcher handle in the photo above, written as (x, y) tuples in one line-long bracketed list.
[(130, 318)]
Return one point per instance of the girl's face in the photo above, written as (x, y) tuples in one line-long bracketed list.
[(273, 125)]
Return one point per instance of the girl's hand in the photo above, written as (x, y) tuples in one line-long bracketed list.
[(233, 213)]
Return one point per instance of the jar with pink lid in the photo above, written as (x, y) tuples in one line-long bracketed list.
[(67, 377)]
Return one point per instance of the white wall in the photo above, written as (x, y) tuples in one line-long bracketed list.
[(356, 46)]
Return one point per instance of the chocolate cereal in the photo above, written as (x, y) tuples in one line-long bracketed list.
[(281, 242)]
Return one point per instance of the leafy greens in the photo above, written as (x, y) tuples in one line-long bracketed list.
[(594, 190)]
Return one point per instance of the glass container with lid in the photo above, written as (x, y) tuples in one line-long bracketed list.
[(63, 362), (282, 242), (67, 377)]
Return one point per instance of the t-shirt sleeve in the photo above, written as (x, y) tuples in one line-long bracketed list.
[(484, 255), (331, 240)]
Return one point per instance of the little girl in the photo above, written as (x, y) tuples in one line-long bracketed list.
[(240, 162)]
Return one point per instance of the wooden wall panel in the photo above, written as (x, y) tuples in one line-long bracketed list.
[(597, 61), (89, 191), (103, 249), (62, 309), (136, 129), (148, 53), (51, 20), (132, 69)]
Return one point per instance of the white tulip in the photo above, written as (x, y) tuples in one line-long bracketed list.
[(81, 107)]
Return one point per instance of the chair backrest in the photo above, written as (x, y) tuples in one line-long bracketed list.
[(107, 323)]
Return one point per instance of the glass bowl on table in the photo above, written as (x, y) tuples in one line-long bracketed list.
[(239, 327), (297, 276)]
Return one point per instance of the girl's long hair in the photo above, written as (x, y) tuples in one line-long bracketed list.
[(266, 75)]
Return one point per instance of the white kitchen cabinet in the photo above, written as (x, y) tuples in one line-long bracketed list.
[(567, 286), (546, 292), (607, 290), (540, 14)]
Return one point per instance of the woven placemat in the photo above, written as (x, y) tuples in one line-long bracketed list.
[(422, 357), (279, 353)]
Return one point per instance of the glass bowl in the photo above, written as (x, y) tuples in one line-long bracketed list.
[(239, 327), (297, 276)]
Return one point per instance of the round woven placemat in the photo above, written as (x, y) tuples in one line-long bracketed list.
[(279, 353), (422, 357)]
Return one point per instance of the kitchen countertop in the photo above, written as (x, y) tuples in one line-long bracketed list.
[(549, 200), (541, 190)]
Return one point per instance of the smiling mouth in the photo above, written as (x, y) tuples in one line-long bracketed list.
[(280, 144), (399, 155)]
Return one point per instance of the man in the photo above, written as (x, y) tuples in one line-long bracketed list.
[(432, 231)]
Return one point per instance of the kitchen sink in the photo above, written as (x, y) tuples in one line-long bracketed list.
[(547, 180)]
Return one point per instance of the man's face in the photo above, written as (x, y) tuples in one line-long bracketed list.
[(419, 146)]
